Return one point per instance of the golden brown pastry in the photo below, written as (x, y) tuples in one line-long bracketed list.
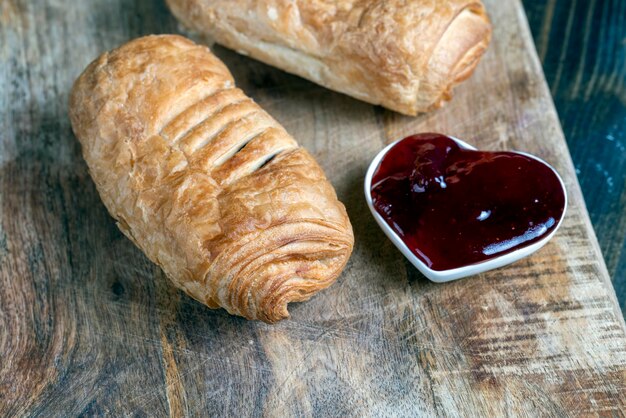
[(405, 55), (205, 182)]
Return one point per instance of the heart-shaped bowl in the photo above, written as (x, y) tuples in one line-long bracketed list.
[(441, 276)]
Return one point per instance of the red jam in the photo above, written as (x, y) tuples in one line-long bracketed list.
[(454, 207)]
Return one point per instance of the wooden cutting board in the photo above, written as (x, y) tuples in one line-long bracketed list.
[(89, 326)]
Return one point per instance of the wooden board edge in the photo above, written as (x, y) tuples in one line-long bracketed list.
[(593, 239)]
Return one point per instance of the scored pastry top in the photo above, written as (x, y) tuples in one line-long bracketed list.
[(204, 181)]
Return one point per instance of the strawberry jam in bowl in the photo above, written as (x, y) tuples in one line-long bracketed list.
[(455, 211)]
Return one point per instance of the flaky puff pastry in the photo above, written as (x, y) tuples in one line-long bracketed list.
[(205, 182), (405, 55)]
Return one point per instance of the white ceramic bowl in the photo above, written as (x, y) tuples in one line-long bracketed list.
[(441, 276)]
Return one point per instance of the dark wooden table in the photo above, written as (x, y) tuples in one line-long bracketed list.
[(88, 326), (582, 45)]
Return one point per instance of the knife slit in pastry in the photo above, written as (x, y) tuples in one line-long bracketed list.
[(234, 137), (252, 156), (203, 133), (206, 183), (200, 111)]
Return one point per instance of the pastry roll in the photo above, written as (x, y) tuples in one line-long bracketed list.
[(405, 55), (205, 182)]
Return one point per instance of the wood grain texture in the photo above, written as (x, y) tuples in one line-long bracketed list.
[(582, 45), (88, 326)]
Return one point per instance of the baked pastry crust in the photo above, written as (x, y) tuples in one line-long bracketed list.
[(205, 182), (404, 55)]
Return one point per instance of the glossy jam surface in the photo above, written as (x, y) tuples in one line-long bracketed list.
[(455, 207)]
